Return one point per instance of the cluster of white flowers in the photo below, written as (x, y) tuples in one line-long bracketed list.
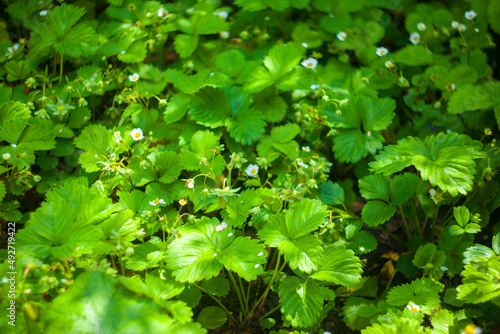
[(221, 226)]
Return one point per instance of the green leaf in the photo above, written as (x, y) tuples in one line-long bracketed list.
[(2, 190), (331, 193), (208, 24), (13, 110), (377, 114), (212, 317), (462, 215), (428, 257), (210, 107), (445, 160), (177, 108), (231, 62), (17, 70), (246, 127), (362, 242), (401, 325), (403, 187), (285, 133), (339, 266), (480, 282), (374, 186), (301, 301), (422, 291), (272, 106), (245, 257), (352, 146), (38, 135), (282, 59), (358, 312), (134, 53), (473, 97), (185, 44), (304, 217), (95, 140), (169, 166), (217, 286), (414, 55), (375, 213), (238, 208), (496, 243)]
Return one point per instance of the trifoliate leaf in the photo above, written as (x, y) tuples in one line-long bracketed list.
[(445, 160), (95, 140), (422, 291), (210, 107), (353, 145), (375, 213), (473, 97), (331, 193), (231, 62), (339, 266), (301, 301), (376, 114), (414, 55), (476, 251), (169, 166), (428, 257), (238, 208), (246, 127), (38, 135), (272, 106), (462, 215), (13, 110), (212, 317), (304, 217), (480, 282), (374, 186), (245, 257), (358, 312), (403, 187)]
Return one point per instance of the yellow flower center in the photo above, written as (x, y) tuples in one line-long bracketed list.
[(469, 329), (156, 201), (414, 309), (253, 171), (137, 135)]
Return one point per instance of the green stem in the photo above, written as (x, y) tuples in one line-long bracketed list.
[(61, 69), (218, 302), (401, 212), (269, 313), (236, 287), (243, 295)]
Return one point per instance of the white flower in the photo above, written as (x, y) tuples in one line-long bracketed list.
[(421, 26), (162, 13), (123, 52), (260, 254), (452, 86), (134, 77), (13, 48), (301, 164), (470, 15), (413, 307), (310, 63), (43, 13), (252, 170), (137, 134), (14, 145), (116, 134), (6, 156), (342, 35), (257, 266), (462, 27), (221, 226), (156, 202), (190, 183), (381, 51), (389, 64), (119, 140), (314, 86), (415, 38), (305, 45), (455, 24), (472, 329), (230, 234), (224, 34), (306, 149), (326, 332), (222, 14)]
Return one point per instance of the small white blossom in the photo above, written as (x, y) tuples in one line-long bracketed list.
[(252, 170), (305, 45), (462, 27), (137, 134), (134, 77), (224, 34), (117, 134), (413, 307), (119, 140), (5, 280), (43, 13), (342, 35), (470, 15), (162, 13), (472, 329), (455, 24), (222, 14), (14, 145), (221, 226), (156, 202), (381, 51), (452, 86), (123, 52), (190, 183), (389, 64), (310, 63), (415, 38), (306, 149), (326, 332), (260, 254), (421, 26), (6, 156), (301, 164), (314, 86), (361, 249), (13, 48), (230, 234), (257, 266)]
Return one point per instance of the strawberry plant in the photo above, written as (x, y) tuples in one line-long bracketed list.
[(289, 166)]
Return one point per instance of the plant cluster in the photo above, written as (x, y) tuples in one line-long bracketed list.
[(305, 166)]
